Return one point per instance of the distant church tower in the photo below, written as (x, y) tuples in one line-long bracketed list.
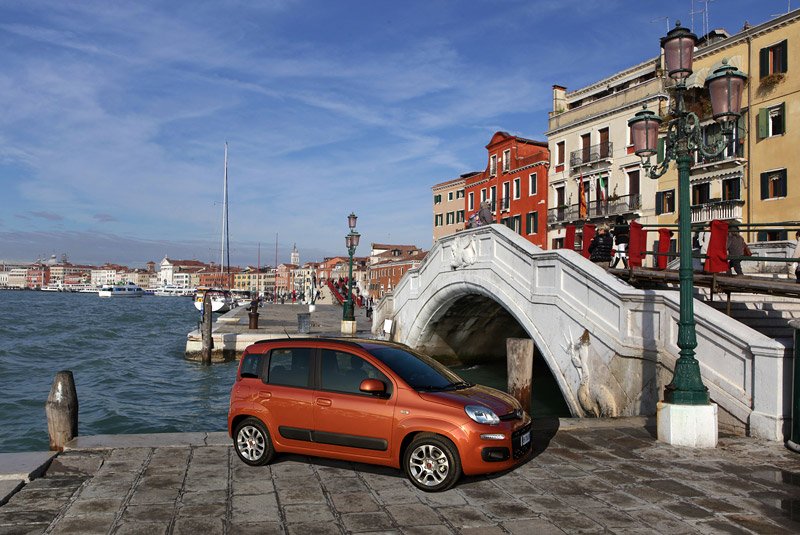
[(295, 255)]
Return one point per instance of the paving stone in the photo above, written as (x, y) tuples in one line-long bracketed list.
[(354, 502), (510, 510), (400, 494), (85, 525), (93, 506), (573, 522), (465, 516), (665, 522), (539, 526), (255, 508), (307, 513), (436, 529), (543, 504), (317, 528), (141, 528), (209, 509), (366, 522), (413, 515), (75, 464), (204, 497), (149, 513), (253, 485), (256, 528), (448, 497), (26, 529), (207, 525), (152, 496), (9, 517), (483, 530), (345, 484)]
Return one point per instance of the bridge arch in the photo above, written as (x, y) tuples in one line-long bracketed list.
[(610, 347)]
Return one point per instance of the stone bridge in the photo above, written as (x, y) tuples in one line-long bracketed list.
[(610, 347)]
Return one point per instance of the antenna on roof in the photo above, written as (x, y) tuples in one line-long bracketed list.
[(662, 18)]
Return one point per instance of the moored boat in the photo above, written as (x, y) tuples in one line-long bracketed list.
[(220, 299), (127, 289)]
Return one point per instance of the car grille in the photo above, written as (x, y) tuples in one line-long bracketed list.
[(518, 450)]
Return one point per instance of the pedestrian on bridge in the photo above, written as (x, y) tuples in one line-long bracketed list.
[(795, 266), (601, 246), (736, 248)]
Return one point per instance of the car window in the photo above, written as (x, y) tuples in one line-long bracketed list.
[(419, 371), (289, 366), (343, 372), (251, 366)]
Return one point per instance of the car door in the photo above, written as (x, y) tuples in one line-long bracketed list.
[(347, 420), (286, 395)]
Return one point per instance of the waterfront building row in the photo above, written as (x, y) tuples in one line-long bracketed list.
[(591, 175)]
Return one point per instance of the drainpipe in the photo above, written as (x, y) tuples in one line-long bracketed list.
[(747, 171)]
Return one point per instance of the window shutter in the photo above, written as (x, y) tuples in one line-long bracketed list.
[(764, 62), (763, 117), (737, 189), (764, 186), (536, 222), (659, 195), (782, 186), (762, 235), (783, 117), (660, 154), (784, 46)]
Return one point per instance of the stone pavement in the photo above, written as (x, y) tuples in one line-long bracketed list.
[(584, 477)]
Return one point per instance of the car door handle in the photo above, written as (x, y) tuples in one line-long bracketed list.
[(324, 402)]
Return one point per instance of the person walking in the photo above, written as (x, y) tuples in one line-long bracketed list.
[(621, 239), (794, 267), (601, 246), (736, 248)]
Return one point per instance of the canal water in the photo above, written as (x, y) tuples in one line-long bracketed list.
[(127, 359)]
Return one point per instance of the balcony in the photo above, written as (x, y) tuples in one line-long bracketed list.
[(590, 155), (624, 204), (731, 209), (733, 155)]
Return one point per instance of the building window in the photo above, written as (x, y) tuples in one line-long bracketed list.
[(516, 188), (460, 194), (516, 224), (773, 184), (701, 193), (506, 160), (460, 216), (504, 200), (532, 223), (560, 153), (731, 189), (437, 220), (532, 186), (772, 121), (493, 165), (449, 195), (471, 199), (774, 59), (437, 199), (665, 202), (493, 197), (483, 194), (451, 218)]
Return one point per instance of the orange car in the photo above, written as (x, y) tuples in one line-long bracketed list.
[(372, 402)]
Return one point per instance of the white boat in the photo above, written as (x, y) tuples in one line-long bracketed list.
[(170, 290), (127, 289), (220, 299)]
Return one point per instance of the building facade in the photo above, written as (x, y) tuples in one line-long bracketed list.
[(448, 207)]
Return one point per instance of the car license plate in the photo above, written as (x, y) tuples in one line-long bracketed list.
[(524, 439)]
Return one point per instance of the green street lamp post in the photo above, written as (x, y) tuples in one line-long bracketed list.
[(351, 240), (683, 138)]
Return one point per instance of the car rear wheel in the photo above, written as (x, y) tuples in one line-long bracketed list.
[(252, 443), (432, 462)]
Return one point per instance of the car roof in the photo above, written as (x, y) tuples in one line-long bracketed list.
[(364, 343)]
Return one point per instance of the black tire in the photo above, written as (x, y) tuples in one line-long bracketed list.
[(431, 462), (252, 443)]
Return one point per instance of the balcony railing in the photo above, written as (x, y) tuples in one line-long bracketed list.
[(731, 209), (730, 153), (591, 154), (624, 204)]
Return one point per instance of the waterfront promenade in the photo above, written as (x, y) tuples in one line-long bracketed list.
[(585, 476)]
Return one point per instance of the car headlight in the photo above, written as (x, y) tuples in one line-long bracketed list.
[(481, 414)]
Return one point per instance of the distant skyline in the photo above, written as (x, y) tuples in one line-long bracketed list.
[(116, 114)]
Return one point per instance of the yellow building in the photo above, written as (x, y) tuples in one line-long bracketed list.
[(755, 180), (448, 208)]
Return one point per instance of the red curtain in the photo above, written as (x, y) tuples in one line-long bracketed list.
[(717, 261), (637, 240), (588, 234), (569, 239), (664, 238)]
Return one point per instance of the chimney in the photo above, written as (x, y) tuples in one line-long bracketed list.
[(559, 99)]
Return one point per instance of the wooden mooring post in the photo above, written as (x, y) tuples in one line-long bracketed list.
[(519, 359), (205, 330), (62, 411)]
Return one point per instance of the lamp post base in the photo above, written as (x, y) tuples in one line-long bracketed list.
[(694, 426), (348, 327)]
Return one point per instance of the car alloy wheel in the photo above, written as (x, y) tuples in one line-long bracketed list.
[(432, 463), (253, 445)]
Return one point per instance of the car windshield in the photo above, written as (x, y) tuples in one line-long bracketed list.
[(420, 372)]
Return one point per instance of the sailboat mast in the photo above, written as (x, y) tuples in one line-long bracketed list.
[(224, 212)]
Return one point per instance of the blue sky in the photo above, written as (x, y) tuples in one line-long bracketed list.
[(115, 114)]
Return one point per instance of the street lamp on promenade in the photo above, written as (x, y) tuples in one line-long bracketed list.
[(351, 240), (686, 402)]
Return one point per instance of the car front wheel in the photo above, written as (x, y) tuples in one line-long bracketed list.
[(252, 442), (432, 462)]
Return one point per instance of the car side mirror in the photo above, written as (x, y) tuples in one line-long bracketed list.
[(373, 386)]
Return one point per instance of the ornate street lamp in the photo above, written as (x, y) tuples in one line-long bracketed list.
[(684, 137), (351, 241)]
